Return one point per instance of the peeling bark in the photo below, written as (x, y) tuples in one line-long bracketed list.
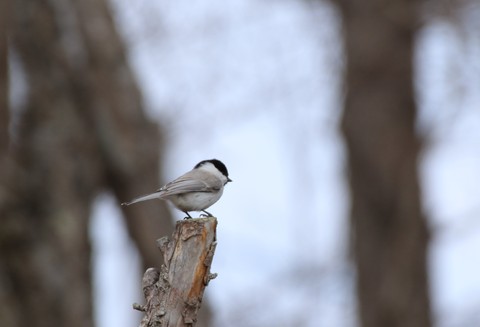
[(174, 294)]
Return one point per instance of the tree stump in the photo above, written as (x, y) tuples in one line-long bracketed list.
[(174, 294)]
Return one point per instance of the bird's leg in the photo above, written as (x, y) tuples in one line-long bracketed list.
[(208, 214), (189, 217)]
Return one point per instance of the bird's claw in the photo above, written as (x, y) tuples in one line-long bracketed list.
[(206, 214)]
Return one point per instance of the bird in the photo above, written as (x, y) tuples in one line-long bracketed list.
[(195, 190)]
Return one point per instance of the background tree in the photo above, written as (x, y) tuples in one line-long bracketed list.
[(4, 114), (81, 131), (389, 231)]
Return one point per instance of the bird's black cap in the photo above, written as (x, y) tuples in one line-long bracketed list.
[(217, 163)]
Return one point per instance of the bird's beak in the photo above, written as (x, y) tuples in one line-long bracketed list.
[(229, 180)]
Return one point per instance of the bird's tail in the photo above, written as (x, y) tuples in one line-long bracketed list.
[(142, 198)]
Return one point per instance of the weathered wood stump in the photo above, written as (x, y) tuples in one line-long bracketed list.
[(174, 294)]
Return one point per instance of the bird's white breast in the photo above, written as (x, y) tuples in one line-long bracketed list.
[(195, 201)]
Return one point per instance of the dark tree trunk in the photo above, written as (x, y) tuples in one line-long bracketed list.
[(82, 131), (389, 230), (4, 112)]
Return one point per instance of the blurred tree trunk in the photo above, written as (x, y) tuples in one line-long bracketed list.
[(390, 236), (4, 113), (82, 131)]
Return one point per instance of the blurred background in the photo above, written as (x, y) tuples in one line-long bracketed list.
[(351, 131)]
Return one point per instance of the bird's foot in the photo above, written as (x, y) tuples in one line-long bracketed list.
[(206, 214)]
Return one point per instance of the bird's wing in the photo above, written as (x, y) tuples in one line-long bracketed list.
[(193, 181)]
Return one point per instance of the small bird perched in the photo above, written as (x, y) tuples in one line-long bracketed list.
[(193, 191)]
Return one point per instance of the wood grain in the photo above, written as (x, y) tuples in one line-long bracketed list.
[(174, 293)]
